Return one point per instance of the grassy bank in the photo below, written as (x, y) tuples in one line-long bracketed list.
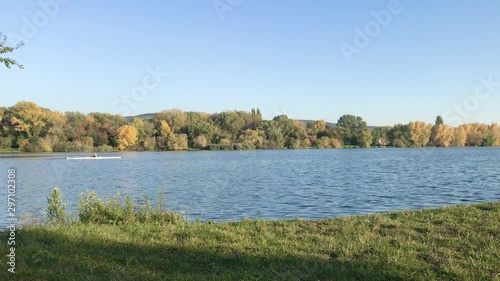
[(455, 243), (8, 150)]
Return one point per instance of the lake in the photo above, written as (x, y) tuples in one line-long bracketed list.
[(270, 184)]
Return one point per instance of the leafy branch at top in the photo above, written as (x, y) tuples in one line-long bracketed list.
[(8, 62)]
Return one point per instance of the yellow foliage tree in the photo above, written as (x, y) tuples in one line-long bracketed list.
[(475, 133), (442, 135), (127, 136), (495, 133), (251, 137), (420, 133), (164, 128), (318, 126), (325, 142), (28, 117), (200, 141), (459, 137), (336, 143), (177, 142)]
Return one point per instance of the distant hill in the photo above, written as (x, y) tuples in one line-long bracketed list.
[(329, 124), (140, 116)]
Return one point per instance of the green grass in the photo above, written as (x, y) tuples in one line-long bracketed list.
[(8, 149), (350, 146), (455, 243)]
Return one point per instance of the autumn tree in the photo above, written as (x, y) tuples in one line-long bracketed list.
[(54, 130), (459, 136), (316, 127), (495, 134), (127, 136), (29, 119), (250, 139), (164, 128), (177, 142), (476, 133), (163, 132), (145, 132), (420, 133), (200, 142), (442, 135), (298, 138), (176, 119)]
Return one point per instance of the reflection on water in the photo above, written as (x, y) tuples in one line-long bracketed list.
[(267, 184)]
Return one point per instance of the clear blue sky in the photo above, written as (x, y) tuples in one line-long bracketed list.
[(283, 56)]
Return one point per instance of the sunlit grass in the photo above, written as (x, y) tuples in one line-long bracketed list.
[(8, 150), (454, 243)]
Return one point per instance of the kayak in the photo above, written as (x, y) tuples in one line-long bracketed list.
[(91, 158)]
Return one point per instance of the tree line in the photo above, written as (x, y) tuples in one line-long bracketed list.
[(31, 128)]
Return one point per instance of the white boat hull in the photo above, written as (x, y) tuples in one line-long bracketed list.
[(91, 158)]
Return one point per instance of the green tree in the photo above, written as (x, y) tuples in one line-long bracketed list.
[(273, 137), (230, 122), (74, 129), (199, 124), (399, 136), (380, 136), (354, 131), (439, 121)]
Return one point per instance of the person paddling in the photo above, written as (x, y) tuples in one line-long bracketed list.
[(95, 155)]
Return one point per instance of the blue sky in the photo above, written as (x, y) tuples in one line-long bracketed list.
[(283, 56)]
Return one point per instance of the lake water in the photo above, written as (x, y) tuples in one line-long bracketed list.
[(232, 185)]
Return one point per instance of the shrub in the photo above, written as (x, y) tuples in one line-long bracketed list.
[(55, 207), (115, 211), (399, 143), (336, 143), (90, 208), (129, 210), (6, 142)]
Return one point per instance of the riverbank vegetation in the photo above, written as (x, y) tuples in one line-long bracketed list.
[(28, 127), (453, 243)]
